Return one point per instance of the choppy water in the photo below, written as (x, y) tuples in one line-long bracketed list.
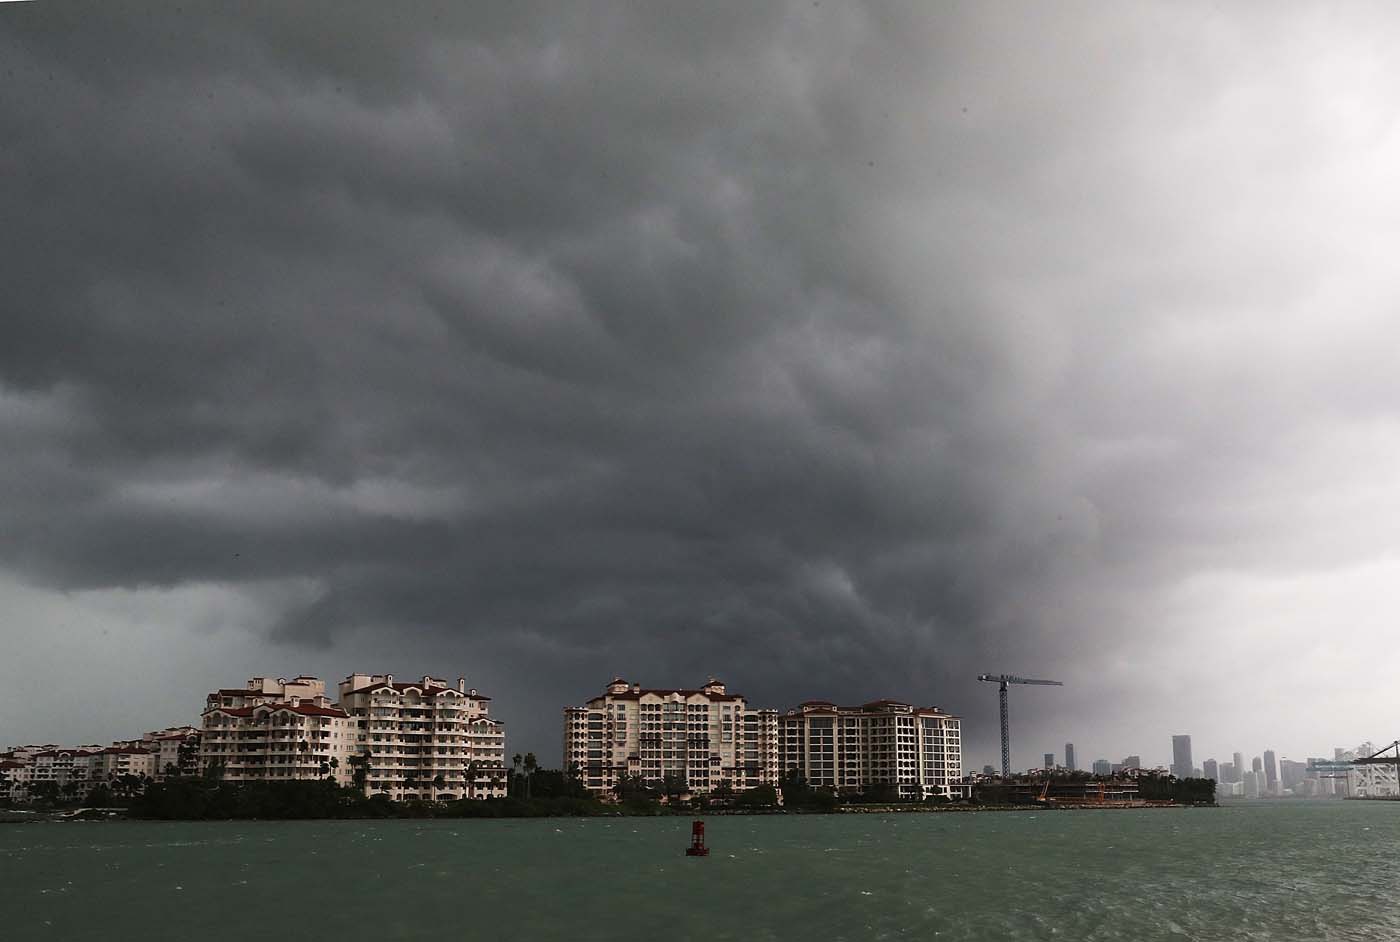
[(1269, 870)]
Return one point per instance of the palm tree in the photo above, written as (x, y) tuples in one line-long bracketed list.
[(472, 768), (630, 786), (359, 765), (531, 764), (515, 764), (673, 785)]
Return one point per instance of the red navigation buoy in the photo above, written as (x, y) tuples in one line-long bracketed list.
[(697, 846)]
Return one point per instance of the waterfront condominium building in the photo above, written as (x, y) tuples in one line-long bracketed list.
[(15, 775), (1271, 772), (174, 750), (425, 738), (1211, 769), (704, 738), (65, 766), (1182, 766), (117, 762), (916, 750), (276, 730)]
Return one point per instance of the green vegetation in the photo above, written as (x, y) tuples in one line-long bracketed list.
[(199, 799), (799, 796), (1186, 791), (110, 793), (531, 792)]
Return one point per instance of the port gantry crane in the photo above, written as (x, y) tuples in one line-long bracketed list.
[(1003, 680)]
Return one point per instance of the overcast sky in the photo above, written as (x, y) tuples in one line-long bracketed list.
[(837, 350)]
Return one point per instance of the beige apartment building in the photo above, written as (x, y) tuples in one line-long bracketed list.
[(703, 737), (63, 766), (425, 739), (118, 761), (276, 730), (72, 770), (14, 777), (164, 746), (916, 750)]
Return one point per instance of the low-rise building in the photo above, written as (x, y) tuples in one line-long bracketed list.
[(177, 753), (425, 739), (175, 750), (69, 769), (14, 778), (117, 762), (695, 740), (916, 751)]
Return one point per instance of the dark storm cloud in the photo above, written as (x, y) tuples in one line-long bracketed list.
[(597, 338)]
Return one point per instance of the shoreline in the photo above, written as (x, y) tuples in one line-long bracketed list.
[(107, 815)]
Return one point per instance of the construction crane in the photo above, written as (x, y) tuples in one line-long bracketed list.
[(1003, 680)]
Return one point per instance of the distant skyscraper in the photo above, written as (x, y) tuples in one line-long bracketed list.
[(1291, 774), (1132, 762), (1227, 772), (1251, 785), (1069, 757), (1102, 767), (1211, 769), (1271, 771), (1257, 765), (1049, 760), (1182, 765), (1239, 768)]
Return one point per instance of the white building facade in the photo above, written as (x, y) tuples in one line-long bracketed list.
[(425, 739), (917, 751), (276, 731), (703, 738)]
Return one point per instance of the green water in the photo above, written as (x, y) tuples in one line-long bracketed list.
[(1268, 870)]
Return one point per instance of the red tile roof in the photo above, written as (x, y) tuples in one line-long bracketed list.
[(305, 709), (433, 690), (637, 694)]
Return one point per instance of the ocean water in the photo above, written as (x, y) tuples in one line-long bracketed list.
[(1259, 870)]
